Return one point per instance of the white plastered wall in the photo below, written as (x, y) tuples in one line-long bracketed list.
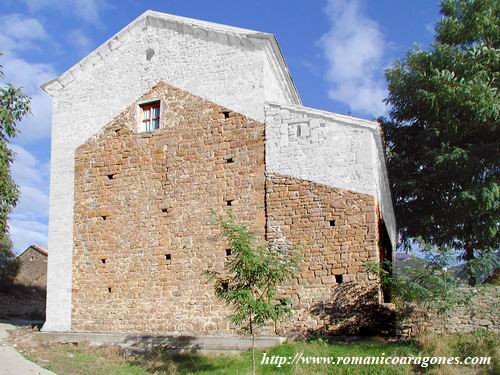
[(274, 82)]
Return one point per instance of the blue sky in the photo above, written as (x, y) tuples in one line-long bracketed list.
[(336, 50)]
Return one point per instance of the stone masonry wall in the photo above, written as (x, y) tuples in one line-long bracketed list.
[(336, 233), (26, 297), (143, 201), (33, 271), (143, 236), (27, 304), (482, 312)]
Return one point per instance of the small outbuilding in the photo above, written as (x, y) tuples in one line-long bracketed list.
[(33, 271)]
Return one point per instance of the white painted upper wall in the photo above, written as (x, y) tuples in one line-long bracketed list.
[(274, 82), (222, 64), (335, 150)]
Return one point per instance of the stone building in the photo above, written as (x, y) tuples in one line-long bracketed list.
[(33, 269), (26, 297), (170, 119)]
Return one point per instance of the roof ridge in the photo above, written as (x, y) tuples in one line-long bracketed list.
[(238, 34), (40, 248), (205, 23)]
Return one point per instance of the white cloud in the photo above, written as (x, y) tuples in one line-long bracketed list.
[(38, 125), (87, 10), (26, 169), (29, 76), (354, 48), (24, 233), (22, 73), (33, 201), (18, 32)]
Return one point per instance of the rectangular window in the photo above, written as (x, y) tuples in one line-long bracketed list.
[(150, 116)]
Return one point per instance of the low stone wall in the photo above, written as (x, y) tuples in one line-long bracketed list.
[(482, 312), (21, 304)]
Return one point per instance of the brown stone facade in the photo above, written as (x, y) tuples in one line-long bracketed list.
[(142, 227), (33, 270), (335, 232), (26, 297), (143, 201)]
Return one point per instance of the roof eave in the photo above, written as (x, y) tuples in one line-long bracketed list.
[(36, 247), (348, 120), (54, 85)]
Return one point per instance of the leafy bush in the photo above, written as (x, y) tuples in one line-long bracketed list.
[(9, 264), (433, 284), (250, 281)]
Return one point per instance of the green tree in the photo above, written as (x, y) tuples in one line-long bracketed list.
[(9, 263), (443, 136), (250, 280), (431, 281), (14, 105)]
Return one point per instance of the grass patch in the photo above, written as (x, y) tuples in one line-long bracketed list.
[(165, 362), (481, 343), (82, 359)]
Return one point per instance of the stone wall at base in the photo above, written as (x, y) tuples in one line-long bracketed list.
[(22, 302), (335, 231), (482, 312)]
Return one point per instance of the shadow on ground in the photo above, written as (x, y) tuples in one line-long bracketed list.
[(22, 302), (165, 361), (168, 354), (354, 310)]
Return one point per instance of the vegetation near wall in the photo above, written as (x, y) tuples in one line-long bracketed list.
[(14, 105), (480, 312)]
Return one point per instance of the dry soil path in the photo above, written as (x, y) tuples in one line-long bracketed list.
[(13, 363)]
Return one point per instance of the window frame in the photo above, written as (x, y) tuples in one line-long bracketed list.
[(148, 124)]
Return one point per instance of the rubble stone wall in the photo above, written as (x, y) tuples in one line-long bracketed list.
[(335, 232), (142, 229), (143, 201), (326, 148), (33, 270), (226, 68), (482, 312)]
